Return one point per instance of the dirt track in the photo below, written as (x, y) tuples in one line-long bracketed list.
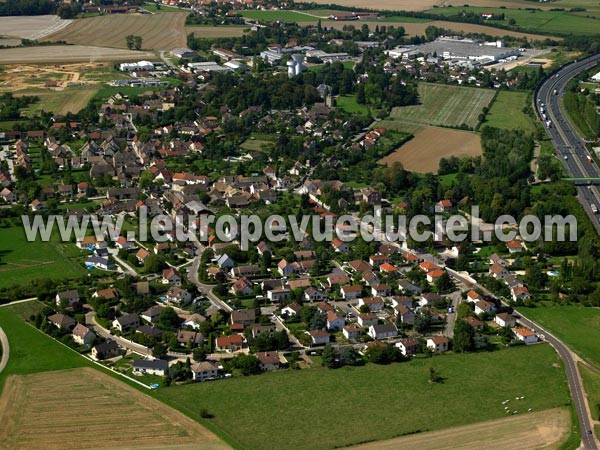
[(84, 408), (537, 430)]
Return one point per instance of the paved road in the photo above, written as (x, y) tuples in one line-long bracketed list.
[(5, 350), (205, 289), (566, 140), (571, 369), (90, 319)]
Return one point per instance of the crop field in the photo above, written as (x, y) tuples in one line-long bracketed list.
[(542, 429), (281, 15), (535, 21), (68, 54), (445, 105), (22, 261), (318, 408), (577, 326), (31, 27), (591, 382), (413, 28), (209, 32), (506, 112), (162, 31), (72, 99), (423, 152), (84, 408)]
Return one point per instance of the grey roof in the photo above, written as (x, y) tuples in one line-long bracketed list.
[(128, 319), (157, 364)]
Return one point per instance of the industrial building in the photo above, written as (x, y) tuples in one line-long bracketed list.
[(458, 50), (136, 67), (295, 66)]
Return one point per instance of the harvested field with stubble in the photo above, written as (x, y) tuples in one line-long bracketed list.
[(422, 153), (542, 430), (209, 32), (161, 31), (68, 54), (84, 408), (411, 5), (31, 27)]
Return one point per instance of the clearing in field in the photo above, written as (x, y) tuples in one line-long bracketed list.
[(543, 429), (423, 152), (31, 27), (161, 31), (68, 54), (507, 113), (445, 105), (84, 408), (389, 401)]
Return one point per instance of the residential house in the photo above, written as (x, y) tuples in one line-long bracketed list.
[(158, 367), (405, 314), (351, 292), (268, 361), (408, 346), (152, 314), (407, 287), (378, 260), (367, 319), (497, 259), (229, 344), (314, 295), (126, 322), (384, 331), (339, 245), (278, 295), (514, 246), (519, 293), (505, 320), (105, 350), (106, 294), (484, 307), (67, 298), (225, 262), (438, 344), (242, 286), (499, 272), (370, 278), (243, 316), (434, 275), (291, 310), (352, 331), (189, 338), (474, 322), (62, 321), (318, 337), (204, 371), (177, 295), (141, 255), (258, 329), (381, 290), (525, 335), (373, 303), (82, 335), (335, 321), (473, 297)]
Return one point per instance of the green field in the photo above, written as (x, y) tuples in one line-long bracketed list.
[(445, 105), (591, 381), (280, 15), (577, 326), (348, 103), (22, 261), (536, 21), (321, 408), (31, 351), (506, 112)]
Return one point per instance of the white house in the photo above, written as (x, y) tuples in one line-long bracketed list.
[(83, 335), (367, 319), (278, 295), (158, 367), (373, 303), (68, 297), (352, 331), (350, 292), (482, 307), (505, 320), (499, 272), (438, 344), (525, 335), (319, 337), (126, 322), (314, 295), (408, 346), (384, 331), (334, 321), (204, 371)]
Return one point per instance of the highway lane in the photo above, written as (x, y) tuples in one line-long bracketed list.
[(564, 136)]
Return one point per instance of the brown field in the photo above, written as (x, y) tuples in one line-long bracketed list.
[(418, 28), (423, 152), (161, 31), (31, 27), (84, 408), (68, 54), (216, 32), (540, 430)]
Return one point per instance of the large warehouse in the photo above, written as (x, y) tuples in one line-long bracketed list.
[(449, 48)]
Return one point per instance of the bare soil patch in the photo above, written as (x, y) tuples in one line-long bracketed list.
[(538, 430), (68, 54), (422, 153), (84, 408), (209, 32), (161, 31)]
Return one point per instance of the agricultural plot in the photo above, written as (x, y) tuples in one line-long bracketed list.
[(543, 429), (161, 31), (72, 99), (423, 152), (536, 21), (281, 15), (52, 54), (507, 113), (78, 408), (445, 105), (31, 27), (22, 261), (283, 399)]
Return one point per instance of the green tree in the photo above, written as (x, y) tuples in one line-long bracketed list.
[(329, 357), (159, 350), (463, 337)]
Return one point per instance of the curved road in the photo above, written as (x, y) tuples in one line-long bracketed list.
[(570, 147), (5, 350)]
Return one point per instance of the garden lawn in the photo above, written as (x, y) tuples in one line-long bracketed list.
[(577, 326), (321, 408)]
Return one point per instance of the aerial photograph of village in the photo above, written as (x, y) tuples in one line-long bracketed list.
[(277, 224)]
